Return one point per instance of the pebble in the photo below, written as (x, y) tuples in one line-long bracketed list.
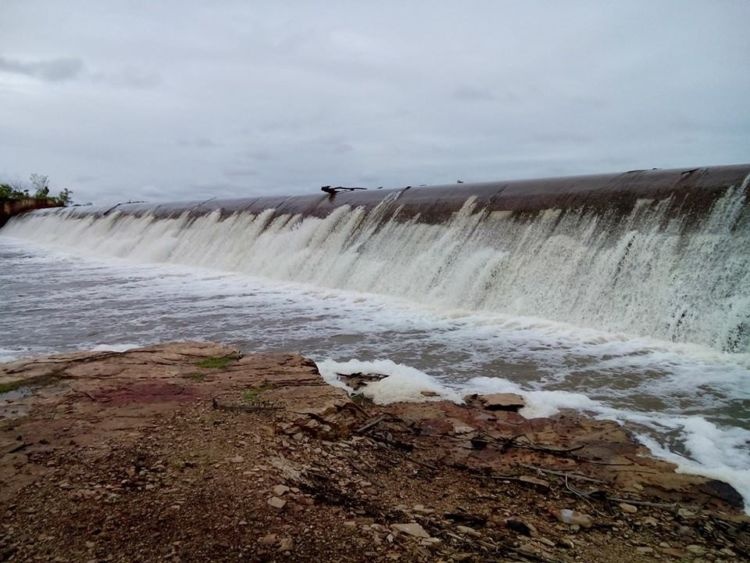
[(276, 502), (280, 490), (628, 508), (574, 518), (286, 544), (685, 513), (268, 540), (412, 529), (468, 531)]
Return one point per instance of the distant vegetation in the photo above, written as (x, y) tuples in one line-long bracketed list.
[(39, 189)]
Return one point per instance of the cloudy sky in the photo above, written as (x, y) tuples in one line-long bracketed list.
[(185, 100)]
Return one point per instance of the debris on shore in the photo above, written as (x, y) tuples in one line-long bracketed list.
[(194, 452)]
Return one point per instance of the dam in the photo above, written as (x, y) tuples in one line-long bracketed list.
[(662, 254), (626, 295)]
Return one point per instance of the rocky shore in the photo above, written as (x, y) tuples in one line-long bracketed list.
[(194, 452)]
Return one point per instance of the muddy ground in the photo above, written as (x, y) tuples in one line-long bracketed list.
[(192, 452)]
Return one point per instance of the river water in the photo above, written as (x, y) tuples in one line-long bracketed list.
[(642, 323)]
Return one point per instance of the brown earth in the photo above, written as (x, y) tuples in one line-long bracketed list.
[(191, 452)]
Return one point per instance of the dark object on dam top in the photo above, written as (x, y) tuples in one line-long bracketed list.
[(692, 191)]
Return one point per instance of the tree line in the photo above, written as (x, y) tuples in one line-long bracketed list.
[(40, 189)]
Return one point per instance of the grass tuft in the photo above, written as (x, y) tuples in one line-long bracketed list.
[(196, 376), (217, 362), (12, 386), (251, 395)]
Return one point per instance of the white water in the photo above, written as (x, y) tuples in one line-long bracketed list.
[(637, 319), (640, 274)]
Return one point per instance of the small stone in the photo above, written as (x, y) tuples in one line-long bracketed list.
[(696, 549), (574, 518), (650, 521), (280, 490), (545, 541), (350, 524), (628, 508), (685, 513), (286, 544), (468, 531), (412, 529), (644, 549), (90, 545), (276, 502), (237, 459), (461, 428), (502, 402), (268, 540), (540, 483), (431, 543), (566, 543)]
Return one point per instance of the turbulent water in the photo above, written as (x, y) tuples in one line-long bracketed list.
[(643, 318)]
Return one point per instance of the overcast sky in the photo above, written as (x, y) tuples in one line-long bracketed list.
[(192, 100)]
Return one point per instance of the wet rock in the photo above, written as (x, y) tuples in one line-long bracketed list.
[(502, 402), (411, 529)]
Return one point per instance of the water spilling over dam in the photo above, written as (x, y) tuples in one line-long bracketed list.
[(625, 295), (664, 254)]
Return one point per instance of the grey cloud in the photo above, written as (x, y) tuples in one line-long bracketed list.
[(240, 172), (198, 143), (51, 70), (472, 94), (190, 100), (128, 77)]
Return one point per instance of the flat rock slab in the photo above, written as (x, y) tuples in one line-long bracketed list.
[(195, 451), (502, 402)]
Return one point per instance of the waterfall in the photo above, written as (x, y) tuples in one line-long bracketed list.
[(647, 271)]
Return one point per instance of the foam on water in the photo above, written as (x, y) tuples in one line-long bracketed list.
[(719, 453)]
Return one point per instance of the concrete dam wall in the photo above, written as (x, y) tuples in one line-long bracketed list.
[(663, 254)]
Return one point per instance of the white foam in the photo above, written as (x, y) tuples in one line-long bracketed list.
[(403, 383), (114, 347), (538, 403), (717, 453), (638, 274)]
